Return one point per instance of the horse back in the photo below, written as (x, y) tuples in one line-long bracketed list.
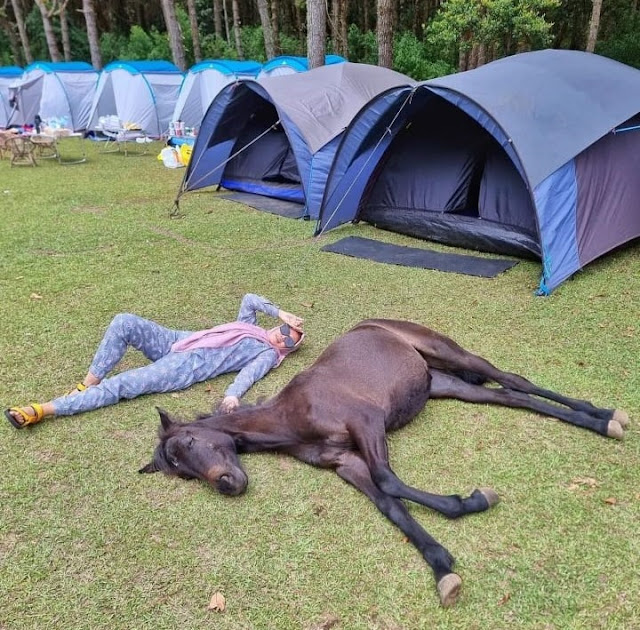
[(369, 370)]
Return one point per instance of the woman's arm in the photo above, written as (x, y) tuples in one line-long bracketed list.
[(252, 303)]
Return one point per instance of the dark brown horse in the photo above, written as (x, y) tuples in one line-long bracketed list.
[(335, 414)]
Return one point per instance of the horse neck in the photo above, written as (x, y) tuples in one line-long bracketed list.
[(261, 428)]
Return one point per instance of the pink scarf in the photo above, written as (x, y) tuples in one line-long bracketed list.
[(227, 335)]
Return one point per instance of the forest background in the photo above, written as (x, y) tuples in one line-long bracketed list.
[(420, 38)]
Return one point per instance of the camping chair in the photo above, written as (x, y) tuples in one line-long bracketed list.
[(121, 135), (4, 143), (46, 146), (21, 151)]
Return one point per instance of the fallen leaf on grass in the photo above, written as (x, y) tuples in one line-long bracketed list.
[(307, 304), (175, 395), (218, 602), (611, 501), (504, 599), (582, 481), (35, 296)]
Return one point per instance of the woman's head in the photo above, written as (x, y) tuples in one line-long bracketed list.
[(285, 338)]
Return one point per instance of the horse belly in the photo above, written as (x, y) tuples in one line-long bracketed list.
[(407, 401)]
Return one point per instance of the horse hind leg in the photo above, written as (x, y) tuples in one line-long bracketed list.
[(444, 385), (443, 353)]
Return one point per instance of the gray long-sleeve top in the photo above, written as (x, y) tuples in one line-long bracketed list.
[(253, 358)]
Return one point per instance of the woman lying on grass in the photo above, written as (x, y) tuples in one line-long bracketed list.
[(179, 359)]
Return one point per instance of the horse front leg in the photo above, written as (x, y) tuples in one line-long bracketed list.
[(445, 385), (370, 437), (354, 470)]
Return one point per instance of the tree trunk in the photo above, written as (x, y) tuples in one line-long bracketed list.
[(175, 36), (236, 28), (265, 20), (365, 17), (64, 33), (343, 29), (92, 33), (316, 33), (22, 31), (594, 25), (217, 18), (54, 51), (195, 33), (226, 20), (385, 33), (339, 26), (275, 26)]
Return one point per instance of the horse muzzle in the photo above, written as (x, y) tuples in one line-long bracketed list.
[(232, 483)]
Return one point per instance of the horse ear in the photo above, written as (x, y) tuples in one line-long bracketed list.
[(165, 419), (149, 468)]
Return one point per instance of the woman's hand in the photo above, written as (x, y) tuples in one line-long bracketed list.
[(293, 320), (229, 403)]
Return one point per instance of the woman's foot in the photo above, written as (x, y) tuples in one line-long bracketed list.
[(21, 417)]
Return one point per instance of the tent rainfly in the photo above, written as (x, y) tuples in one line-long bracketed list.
[(62, 91), (8, 76), (286, 64), (143, 93), (276, 137), (203, 82), (536, 154)]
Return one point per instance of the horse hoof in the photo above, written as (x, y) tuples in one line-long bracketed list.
[(491, 496), (621, 417), (614, 430), (449, 588)]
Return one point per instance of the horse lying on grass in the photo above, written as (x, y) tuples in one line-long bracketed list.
[(375, 378)]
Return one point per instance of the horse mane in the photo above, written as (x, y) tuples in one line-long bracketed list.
[(217, 411)]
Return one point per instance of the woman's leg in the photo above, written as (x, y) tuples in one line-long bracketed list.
[(173, 372), (125, 330)]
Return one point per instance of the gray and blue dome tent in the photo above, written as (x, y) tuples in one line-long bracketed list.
[(61, 90), (140, 92), (204, 81), (276, 137), (535, 155), (286, 64), (8, 76)]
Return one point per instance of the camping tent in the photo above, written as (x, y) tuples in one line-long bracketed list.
[(277, 137), (143, 93), (61, 91), (286, 64), (524, 156), (8, 75), (203, 82)]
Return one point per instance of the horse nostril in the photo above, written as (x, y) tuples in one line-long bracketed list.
[(226, 484)]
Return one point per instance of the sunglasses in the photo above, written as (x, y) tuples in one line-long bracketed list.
[(285, 329)]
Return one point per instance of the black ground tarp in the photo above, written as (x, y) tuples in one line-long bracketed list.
[(416, 257)]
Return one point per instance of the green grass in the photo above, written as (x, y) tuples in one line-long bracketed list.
[(86, 542)]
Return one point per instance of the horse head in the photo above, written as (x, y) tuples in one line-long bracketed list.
[(193, 451)]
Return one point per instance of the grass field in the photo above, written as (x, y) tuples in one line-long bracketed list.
[(88, 543)]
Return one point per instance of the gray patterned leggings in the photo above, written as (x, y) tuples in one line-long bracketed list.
[(169, 371)]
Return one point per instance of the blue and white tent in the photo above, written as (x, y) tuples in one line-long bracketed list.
[(204, 81), (62, 91), (286, 64), (277, 137), (537, 154), (142, 93), (8, 76)]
